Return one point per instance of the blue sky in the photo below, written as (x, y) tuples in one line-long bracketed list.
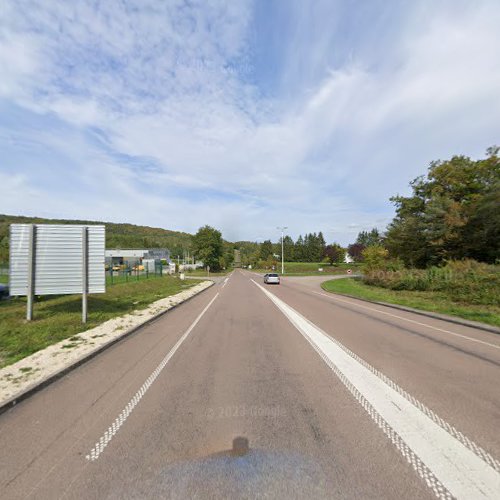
[(243, 115)]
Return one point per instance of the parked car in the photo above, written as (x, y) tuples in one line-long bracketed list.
[(4, 291), (271, 278)]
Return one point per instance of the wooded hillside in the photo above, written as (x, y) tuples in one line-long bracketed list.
[(117, 235)]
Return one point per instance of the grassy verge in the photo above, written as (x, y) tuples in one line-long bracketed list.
[(326, 272), (426, 301), (127, 278), (202, 273), (110, 280), (59, 317)]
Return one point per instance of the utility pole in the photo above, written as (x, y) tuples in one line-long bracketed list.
[(282, 228)]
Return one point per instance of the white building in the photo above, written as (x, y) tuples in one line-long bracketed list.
[(119, 256), (348, 259)]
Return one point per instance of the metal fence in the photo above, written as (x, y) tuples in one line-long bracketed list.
[(133, 272), (114, 275)]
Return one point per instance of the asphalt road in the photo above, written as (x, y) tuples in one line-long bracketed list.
[(267, 391)]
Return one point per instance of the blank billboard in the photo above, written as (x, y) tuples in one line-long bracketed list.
[(58, 259)]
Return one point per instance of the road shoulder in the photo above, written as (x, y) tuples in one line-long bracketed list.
[(29, 375), (421, 312)]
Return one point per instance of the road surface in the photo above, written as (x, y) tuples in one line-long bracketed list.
[(267, 391)]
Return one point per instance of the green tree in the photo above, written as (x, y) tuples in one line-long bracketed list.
[(483, 237), (309, 248), (299, 249), (334, 253), (314, 245), (289, 249), (451, 214), (356, 251), (320, 246), (266, 250), (208, 246), (375, 257), (249, 252), (369, 238)]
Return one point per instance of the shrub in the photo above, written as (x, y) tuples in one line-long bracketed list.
[(375, 257), (464, 281)]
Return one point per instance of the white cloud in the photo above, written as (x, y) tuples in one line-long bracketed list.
[(174, 86), (18, 63)]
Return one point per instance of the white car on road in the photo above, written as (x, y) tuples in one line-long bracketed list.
[(271, 278)]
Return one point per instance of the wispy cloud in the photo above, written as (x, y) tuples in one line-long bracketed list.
[(239, 114)]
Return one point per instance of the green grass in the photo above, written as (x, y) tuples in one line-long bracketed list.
[(461, 281), (121, 278), (59, 317), (311, 269), (203, 273), (127, 278), (426, 301)]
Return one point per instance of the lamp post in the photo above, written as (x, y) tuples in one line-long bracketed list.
[(282, 229)]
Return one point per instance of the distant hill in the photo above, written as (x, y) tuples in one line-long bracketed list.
[(117, 235)]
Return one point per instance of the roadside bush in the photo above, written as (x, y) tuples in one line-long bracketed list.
[(267, 264), (375, 257), (464, 281)]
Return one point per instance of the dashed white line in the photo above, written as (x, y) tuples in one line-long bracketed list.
[(409, 320), (129, 408), (450, 466)]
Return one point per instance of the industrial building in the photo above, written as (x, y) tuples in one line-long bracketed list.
[(134, 256)]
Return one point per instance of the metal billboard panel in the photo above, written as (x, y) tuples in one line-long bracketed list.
[(58, 259)]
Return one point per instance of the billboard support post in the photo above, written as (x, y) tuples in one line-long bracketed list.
[(56, 259), (31, 272), (85, 271)]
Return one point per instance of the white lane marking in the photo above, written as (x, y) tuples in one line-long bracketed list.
[(449, 468), (225, 282), (125, 413), (409, 320)]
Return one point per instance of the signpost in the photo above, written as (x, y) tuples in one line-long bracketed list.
[(85, 271), (54, 259), (31, 272)]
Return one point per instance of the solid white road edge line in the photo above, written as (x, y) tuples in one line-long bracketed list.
[(449, 468), (125, 413), (409, 320)]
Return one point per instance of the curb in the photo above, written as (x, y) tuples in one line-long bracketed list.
[(429, 314), (10, 403)]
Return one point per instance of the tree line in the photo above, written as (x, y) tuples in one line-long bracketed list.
[(453, 213), (311, 247)]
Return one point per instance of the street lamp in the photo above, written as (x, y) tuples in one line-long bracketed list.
[(282, 229)]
